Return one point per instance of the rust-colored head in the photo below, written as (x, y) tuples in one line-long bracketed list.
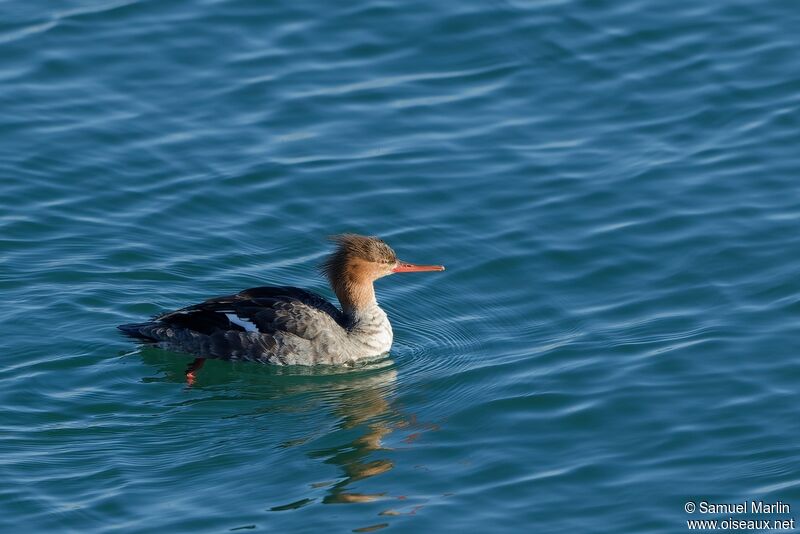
[(360, 260)]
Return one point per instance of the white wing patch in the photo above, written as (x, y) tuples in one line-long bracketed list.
[(244, 323)]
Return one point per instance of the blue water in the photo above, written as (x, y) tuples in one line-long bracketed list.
[(614, 188)]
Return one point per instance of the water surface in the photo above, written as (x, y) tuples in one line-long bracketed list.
[(613, 187)]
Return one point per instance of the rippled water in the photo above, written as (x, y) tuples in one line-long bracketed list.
[(613, 186)]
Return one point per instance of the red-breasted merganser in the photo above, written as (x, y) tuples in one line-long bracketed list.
[(289, 325)]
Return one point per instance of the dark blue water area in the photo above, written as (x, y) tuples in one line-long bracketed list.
[(614, 188)]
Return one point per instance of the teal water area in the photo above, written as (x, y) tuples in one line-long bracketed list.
[(614, 188)]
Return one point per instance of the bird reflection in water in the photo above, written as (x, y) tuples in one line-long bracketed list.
[(365, 407), (363, 403)]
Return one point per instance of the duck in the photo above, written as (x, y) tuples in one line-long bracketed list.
[(286, 325)]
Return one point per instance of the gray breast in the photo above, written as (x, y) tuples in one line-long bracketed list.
[(372, 332)]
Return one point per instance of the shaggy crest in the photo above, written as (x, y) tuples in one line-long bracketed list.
[(351, 246)]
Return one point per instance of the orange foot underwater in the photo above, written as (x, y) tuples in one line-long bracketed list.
[(195, 366)]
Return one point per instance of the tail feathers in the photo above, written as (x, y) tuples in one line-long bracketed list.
[(135, 330)]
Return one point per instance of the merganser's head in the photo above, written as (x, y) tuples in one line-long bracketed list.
[(360, 260), (371, 257)]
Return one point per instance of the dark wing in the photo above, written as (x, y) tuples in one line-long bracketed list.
[(283, 325), (266, 310)]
